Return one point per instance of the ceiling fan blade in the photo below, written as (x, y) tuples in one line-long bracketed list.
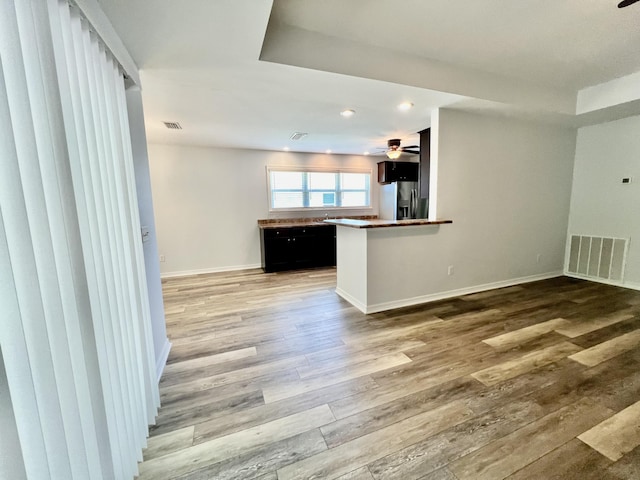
[(415, 146), (626, 3)]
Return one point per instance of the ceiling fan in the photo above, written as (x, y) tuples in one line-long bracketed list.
[(394, 150), (626, 3)]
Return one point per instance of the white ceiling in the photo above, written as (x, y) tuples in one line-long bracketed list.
[(566, 44), (239, 73)]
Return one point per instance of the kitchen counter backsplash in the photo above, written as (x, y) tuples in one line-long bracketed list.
[(309, 220)]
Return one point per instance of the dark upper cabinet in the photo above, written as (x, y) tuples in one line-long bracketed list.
[(425, 162), (290, 248), (389, 171)]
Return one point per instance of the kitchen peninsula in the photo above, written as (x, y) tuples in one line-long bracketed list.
[(379, 261)]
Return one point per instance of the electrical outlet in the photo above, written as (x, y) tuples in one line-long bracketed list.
[(450, 270), (538, 257), (162, 258)]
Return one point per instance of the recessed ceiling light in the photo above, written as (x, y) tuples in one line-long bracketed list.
[(404, 106), (286, 149), (348, 113), (327, 151), (366, 153)]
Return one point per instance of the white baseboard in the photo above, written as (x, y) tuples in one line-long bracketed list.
[(186, 273), (407, 302), (356, 303), (631, 285), (161, 361), (623, 284)]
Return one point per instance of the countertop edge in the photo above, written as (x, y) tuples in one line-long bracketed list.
[(267, 224), (385, 223)]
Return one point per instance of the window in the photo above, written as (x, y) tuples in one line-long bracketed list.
[(296, 189)]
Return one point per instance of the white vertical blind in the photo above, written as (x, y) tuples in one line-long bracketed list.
[(11, 461), (75, 328)]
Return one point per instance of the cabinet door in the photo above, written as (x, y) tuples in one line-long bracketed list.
[(279, 252), (303, 243), (407, 171), (326, 246), (276, 250)]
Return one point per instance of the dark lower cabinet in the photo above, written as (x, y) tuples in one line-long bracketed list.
[(290, 248), (326, 246)]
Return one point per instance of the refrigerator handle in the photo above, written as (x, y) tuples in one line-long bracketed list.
[(413, 204)]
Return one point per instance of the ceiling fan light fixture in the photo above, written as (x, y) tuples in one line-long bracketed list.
[(394, 154)]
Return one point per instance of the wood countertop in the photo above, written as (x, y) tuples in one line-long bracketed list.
[(267, 226), (302, 222), (347, 222)]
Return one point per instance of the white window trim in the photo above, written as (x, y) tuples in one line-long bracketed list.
[(301, 168)]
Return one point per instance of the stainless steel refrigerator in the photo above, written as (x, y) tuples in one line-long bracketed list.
[(399, 200)]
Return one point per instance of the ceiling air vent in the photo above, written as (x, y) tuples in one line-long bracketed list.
[(298, 135), (173, 125)]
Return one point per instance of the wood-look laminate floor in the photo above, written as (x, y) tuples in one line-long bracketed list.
[(273, 376)]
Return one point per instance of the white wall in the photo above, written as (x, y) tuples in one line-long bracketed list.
[(207, 202), (506, 185), (600, 203)]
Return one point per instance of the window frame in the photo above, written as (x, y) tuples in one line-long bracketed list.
[(306, 191)]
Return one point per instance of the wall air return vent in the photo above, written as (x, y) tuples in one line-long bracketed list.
[(599, 258), (173, 125), (298, 135)]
